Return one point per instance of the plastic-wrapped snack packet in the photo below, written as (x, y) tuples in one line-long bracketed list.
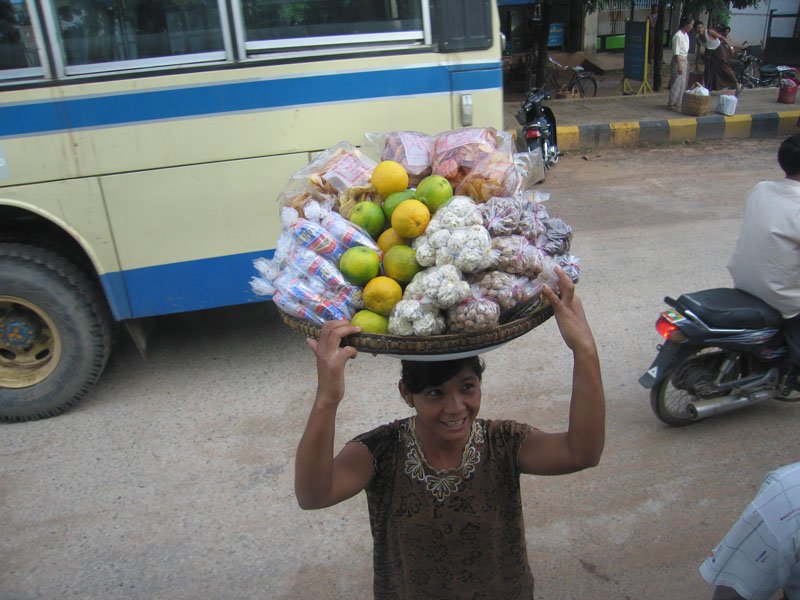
[(308, 293), (548, 275), (516, 254), (441, 285), (311, 235), (291, 306), (411, 149), (349, 298), (416, 317), (506, 289), (473, 314), (556, 237), (571, 266), (532, 213), (467, 248), (501, 215), (305, 262), (456, 152), (348, 234)]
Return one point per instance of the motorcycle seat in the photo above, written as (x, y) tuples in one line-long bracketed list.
[(729, 308), (768, 70)]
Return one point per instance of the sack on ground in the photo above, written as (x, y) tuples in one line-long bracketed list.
[(727, 104)]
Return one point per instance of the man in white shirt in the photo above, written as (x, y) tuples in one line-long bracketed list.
[(679, 69), (758, 556), (766, 260)]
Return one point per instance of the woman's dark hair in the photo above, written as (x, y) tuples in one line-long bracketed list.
[(789, 155), (418, 375)]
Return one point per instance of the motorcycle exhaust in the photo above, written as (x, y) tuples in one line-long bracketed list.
[(702, 409)]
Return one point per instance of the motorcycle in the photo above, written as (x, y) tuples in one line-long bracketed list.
[(746, 65), (723, 350), (539, 126)]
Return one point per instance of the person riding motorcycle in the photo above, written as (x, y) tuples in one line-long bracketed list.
[(766, 260)]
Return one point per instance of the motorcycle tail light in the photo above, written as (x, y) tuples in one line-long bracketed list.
[(532, 134), (668, 330)]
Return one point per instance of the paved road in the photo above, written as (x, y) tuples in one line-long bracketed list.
[(173, 479)]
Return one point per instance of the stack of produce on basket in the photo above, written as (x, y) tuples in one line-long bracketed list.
[(435, 234)]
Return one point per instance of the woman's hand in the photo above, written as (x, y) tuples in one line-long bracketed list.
[(331, 359), (569, 315)]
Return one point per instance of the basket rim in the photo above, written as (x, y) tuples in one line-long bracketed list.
[(447, 343)]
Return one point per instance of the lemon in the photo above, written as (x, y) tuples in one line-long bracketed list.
[(389, 177), (391, 202), (370, 322), (410, 218), (388, 239), (381, 294), (434, 191), (400, 263), (360, 264), (368, 216)]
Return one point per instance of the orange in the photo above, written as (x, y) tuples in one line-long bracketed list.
[(360, 264), (391, 202), (389, 177), (434, 191), (400, 263), (368, 216), (388, 239), (410, 218), (381, 294), (370, 322)]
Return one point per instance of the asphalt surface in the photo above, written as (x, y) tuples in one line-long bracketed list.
[(173, 478)]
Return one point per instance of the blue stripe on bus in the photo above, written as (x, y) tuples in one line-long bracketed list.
[(125, 108), (184, 286)]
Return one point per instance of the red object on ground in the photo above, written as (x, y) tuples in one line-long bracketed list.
[(787, 94)]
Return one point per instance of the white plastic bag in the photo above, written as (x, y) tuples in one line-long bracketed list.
[(727, 104)]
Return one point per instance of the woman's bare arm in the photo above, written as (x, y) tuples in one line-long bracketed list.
[(582, 444), (321, 480)]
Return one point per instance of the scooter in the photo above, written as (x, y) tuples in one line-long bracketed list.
[(746, 65), (539, 126), (723, 349)]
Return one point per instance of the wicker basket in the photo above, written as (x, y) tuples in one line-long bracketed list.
[(695, 104), (430, 346)]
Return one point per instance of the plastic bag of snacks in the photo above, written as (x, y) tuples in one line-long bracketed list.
[(338, 177), (455, 153), (473, 314), (409, 148), (506, 289), (517, 255), (499, 173)]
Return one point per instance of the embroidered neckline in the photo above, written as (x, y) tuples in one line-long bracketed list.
[(441, 483)]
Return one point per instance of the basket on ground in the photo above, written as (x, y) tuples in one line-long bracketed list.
[(429, 346), (695, 104)]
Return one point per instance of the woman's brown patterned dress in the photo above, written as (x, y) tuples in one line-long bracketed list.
[(448, 534)]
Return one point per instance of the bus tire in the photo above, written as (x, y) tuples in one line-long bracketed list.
[(55, 333)]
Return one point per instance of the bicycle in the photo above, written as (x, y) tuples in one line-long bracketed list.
[(581, 83)]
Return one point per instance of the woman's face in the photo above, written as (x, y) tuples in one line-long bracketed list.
[(448, 410), (701, 29)]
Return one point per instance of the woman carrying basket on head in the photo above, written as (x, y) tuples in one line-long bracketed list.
[(718, 73), (443, 486)]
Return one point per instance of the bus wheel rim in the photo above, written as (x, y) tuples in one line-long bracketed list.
[(30, 344)]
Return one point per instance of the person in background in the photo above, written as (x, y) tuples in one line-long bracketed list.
[(759, 554), (766, 260), (698, 48), (718, 73), (679, 68), (652, 19)]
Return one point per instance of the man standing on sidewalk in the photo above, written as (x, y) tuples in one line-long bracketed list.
[(679, 70)]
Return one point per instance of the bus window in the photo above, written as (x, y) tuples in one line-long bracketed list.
[(274, 24), (18, 48), (95, 35)]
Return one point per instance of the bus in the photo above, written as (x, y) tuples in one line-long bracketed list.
[(144, 144)]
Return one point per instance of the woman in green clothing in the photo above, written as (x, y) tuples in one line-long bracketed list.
[(443, 486)]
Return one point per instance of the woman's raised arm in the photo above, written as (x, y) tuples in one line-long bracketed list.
[(321, 480)]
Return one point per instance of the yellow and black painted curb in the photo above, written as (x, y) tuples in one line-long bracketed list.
[(682, 129)]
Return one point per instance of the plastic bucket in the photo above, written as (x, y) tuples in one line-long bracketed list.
[(787, 94)]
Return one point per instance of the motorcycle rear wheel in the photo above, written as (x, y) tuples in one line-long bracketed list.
[(670, 403)]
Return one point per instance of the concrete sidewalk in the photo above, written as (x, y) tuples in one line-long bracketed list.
[(631, 120)]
